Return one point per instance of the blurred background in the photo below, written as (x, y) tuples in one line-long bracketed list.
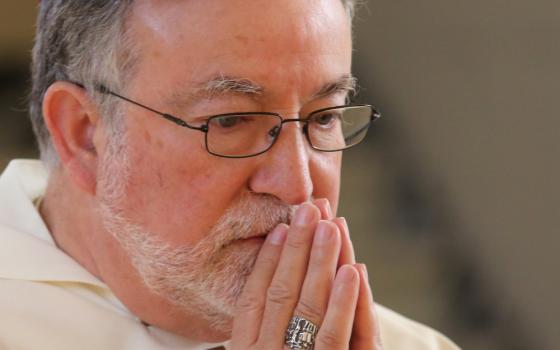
[(453, 201)]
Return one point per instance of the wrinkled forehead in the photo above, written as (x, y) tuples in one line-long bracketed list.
[(206, 37), (244, 20)]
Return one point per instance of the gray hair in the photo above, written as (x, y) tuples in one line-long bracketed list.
[(81, 41), (84, 41)]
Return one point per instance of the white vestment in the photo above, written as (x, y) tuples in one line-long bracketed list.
[(49, 301)]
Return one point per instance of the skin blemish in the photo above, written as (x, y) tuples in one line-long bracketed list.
[(147, 136), (160, 178), (242, 39)]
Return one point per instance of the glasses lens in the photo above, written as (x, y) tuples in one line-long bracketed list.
[(241, 135), (339, 128)]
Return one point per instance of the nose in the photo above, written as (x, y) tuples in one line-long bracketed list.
[(284, 170)]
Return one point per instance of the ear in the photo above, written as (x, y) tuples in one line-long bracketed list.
[(71, 118)]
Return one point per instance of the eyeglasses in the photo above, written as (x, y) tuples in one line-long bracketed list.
[(248, 134)]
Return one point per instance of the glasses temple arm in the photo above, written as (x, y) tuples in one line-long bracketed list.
[(105, 90)]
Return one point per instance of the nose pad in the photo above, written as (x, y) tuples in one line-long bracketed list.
[(305, 130), (274, 131)]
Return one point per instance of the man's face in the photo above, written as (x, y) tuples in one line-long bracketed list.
[(182, 215)]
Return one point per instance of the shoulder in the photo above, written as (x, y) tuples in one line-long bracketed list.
[(33, 305), (73, 315), (57, 315), (401, 333)]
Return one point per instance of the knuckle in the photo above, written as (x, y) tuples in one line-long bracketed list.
[(297, 242), (249, 301), (266, 261), (328, 339), (279, 293), (309, 310)]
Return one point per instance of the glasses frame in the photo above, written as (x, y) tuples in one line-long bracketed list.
[(375, 114)]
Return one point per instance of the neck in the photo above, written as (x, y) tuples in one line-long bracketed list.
[(67, 213)]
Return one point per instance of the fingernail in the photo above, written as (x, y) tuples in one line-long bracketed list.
[(278, 235), (363, 270), (324, 232), (327, 207), (304, 214), (343, 219), (347, 274)]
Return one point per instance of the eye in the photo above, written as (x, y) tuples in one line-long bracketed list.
[(325, 119), (228, 121)]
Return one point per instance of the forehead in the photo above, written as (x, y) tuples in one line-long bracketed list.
[(264, 40)]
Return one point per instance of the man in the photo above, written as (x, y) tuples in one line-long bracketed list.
[(192, 165)]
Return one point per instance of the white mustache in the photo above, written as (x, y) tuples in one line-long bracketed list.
[(254, 215)]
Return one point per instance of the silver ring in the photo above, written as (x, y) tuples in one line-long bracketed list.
[(301, 334)]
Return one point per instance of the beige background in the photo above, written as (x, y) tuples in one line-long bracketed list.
[(453, 201)]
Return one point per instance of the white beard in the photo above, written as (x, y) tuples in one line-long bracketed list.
[(205, 278)]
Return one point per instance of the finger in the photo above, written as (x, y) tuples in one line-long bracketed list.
[(324, 207), (366, 333), (321, 271), (336, 329), (283, 292), (347, 250), (250, 305)]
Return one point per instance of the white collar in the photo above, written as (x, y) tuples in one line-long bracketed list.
[(24, 231)]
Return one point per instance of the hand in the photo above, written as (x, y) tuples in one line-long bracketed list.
[(366, 333), (296, 274)]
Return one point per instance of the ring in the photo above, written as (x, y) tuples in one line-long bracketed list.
[(300, 334)]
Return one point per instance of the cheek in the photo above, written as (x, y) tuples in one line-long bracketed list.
[(325, 173), (178, 195)]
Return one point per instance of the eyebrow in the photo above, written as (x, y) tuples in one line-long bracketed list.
[(346, 84), (223, 84)]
